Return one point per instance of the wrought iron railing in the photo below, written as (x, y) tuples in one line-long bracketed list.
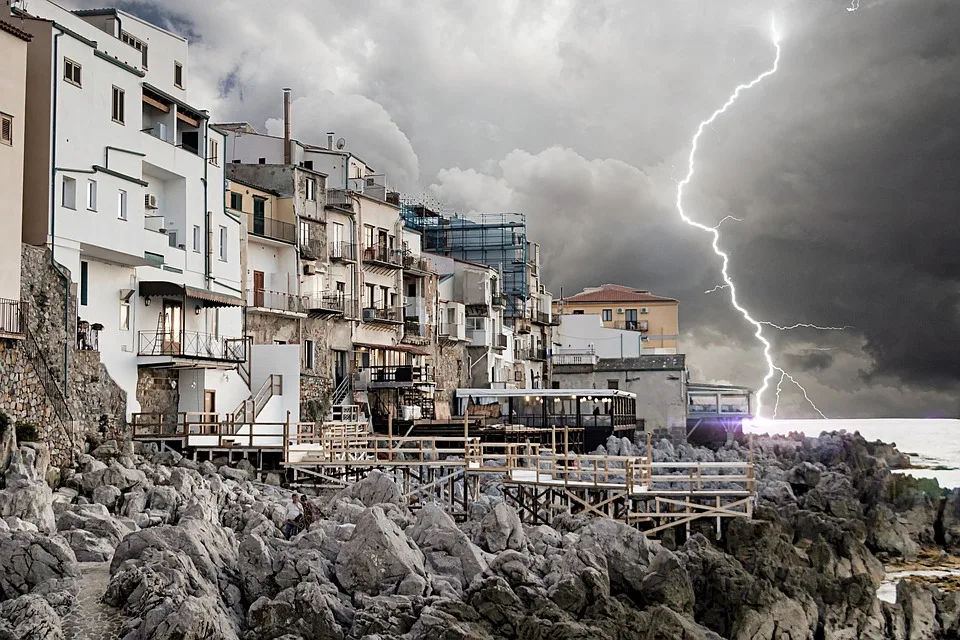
[(345, 251), (383, 255), (414, 329), (276, 300), (48, 378), (401, 373), (383, 314), (192, 344), (631, 325), (498, 300), (328, 302), (311, 249), (270, 228), (10, 317), (500, 341), (541, 318)]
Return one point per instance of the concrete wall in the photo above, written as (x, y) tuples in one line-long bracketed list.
[(584, 331), (663, 318), (285, 361), (37, 134), (13, 87)]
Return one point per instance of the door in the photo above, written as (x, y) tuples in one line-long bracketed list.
[(209, 423), (259, 219), (258, 288), (339, 367), (172, 326), (631, 319)]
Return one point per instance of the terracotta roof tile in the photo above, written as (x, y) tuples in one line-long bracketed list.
[(616, 293), (20, 33)]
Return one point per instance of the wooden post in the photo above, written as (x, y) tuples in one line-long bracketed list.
[(390, 436), (750, 469), (649, 461)]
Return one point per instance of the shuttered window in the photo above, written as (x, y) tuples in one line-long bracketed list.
[(71, 71), (6, 129), (118, 105)]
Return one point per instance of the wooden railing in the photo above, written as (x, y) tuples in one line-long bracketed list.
[(248, 410)]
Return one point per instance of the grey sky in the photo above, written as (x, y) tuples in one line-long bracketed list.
[(842, 166)]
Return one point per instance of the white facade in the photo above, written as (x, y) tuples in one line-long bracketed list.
[(587, 331), (138, 188)]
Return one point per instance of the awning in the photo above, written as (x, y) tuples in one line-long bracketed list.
[(152, 288), (405, 348)]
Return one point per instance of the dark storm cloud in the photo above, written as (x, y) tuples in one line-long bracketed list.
[(842, 165), (808, 361)]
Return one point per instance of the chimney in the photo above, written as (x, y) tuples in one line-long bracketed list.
[(330, 140), (286, 127)]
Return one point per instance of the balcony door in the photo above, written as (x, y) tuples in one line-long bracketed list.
[(631, 318), (259, 219), (172, 326), (258, 288)]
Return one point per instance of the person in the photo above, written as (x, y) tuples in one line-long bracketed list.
[(310, 511), (293, 517)]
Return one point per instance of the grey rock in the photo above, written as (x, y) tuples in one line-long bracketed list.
[(33, 562), (501, 529), (27, 495), (448, 552), (306, 610), (376, 488), (107, 495), (28, 617), (115, 474), (233, 474), (378, 556)]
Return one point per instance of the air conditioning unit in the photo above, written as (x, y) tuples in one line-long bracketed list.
[(644, 310), (369, 314), (620, 310), (150, 201), (518, 376), (309, 269)]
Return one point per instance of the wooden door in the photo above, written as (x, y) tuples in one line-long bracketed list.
[(258, 288)]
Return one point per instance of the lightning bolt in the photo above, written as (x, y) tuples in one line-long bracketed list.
[(715, 233), (717, 288), (776, 405), (854, 5), (805, 325), (724, 219)]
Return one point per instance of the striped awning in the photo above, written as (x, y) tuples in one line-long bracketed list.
[(151, 288)]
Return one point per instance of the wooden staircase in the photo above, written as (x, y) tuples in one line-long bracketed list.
[(248, 410)]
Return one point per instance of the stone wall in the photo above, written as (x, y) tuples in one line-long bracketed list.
[(156, 391), (316, 396), (450, 371), (92, 396), (266, 328)]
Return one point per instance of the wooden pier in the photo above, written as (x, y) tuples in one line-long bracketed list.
[(540, 480)]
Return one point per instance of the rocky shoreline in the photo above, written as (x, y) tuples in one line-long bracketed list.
[(163, 548)]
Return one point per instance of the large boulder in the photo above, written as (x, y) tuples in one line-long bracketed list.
[(373, 489), (306, 610), (91, 531), (32, 562), (501, 529), (628, 552), (451, 559), (379, 558), (27, 617), (27, 495), (115, 474)]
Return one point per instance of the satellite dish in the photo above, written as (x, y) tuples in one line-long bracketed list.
[(341, 143)]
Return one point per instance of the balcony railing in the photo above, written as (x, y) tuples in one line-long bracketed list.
[(393, 315), (383, 255), (540, 317), (312, 249), (192, 344), (414, 329), (343, 251), (329, 302), (415, 263), (500, 341), (498, 300), (10, 317), (573, 357), (270, 228), (399, 374), (340, 198), (276, 300), (632, 325)]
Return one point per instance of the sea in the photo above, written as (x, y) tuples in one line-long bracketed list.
[(933, 444)]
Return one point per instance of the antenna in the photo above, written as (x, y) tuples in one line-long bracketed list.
[(341, 143)]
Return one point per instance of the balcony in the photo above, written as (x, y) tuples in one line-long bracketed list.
[(327, 304), (500, 342), (312, 249), (394, 376), (539, 317), (632, 325), (416, 263), (383, 256), (574, 358), (340, 199), (498, 300), (383, 315), (414, 331), (275, 301), (192, 345), (372, 186), (270, 228), (343, 251), (11, 319)]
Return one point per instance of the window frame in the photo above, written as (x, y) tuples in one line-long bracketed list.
[(124, 321), (91, 195), (607, 315), (6, 118), (114, 102), (239, 196), (122, 199), (311, 189), (84, 282), (196, 238), (78, 68), (223, 243), (309, 353), (139, 45), (63, 193), (213, 152), (178, 70)]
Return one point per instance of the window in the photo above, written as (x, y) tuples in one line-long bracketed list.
[(122, 204), (608, 315), (578, 312), (368, 236), (311, 189), (223, 243), (213, 153), (71, 71), (411, 289), (124, 315), (308, 355), (308, 164), (262, 161), (336, 238), (259, 216), (384, 297), (178, 75), (304, 234), (118, 105), (6, 129), (236, 201), (92, 195), (613, 384), (369, 295), (139, 45), (196, 238), (69, 199), (84, 282)]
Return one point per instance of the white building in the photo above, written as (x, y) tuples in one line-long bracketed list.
[(135, 212), (587, 332)]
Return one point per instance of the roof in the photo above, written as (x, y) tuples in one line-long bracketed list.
[(615, 293), (105, 11), (255, 186), (20, 33), (643, 363), (708, 386), (393, 347), (544, 393)]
